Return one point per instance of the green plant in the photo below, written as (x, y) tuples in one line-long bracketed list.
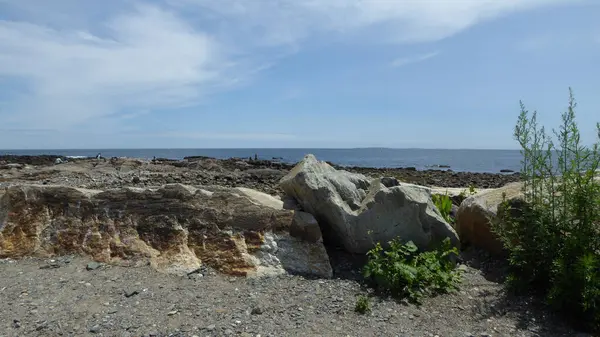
[(408, 273), (444, 204), (363, 305), (553, 236), (472, 191)]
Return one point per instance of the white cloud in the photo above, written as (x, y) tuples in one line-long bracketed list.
[(148, 59), (77, 62), (402, 61), (274, 22)]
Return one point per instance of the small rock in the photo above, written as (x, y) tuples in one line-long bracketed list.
[(51, 265), (210, 327), (257, 310), (131, 292), (171, 313), (16, 324), (136, 180), (95, 329), (93, 266)]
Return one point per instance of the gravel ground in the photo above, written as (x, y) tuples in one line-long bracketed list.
[(63, 298)]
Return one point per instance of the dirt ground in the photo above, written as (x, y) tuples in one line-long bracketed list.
[(70, 296)]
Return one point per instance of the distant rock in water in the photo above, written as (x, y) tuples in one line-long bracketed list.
[(506, 171), (438, 166)]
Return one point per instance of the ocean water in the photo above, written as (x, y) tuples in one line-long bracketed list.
[(458, 160)]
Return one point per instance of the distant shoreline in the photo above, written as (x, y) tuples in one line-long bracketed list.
[(49, 159)]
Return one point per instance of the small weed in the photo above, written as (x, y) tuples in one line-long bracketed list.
[(408, 273), (363, 305), (444, 205)]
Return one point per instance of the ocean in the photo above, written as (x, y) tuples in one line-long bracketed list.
[(457, 160)]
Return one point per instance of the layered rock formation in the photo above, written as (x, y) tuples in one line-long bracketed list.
[(356, 212), (175, 228)]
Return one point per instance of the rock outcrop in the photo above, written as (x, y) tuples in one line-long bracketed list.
[(476, 214), (176, 228), (356, 212)]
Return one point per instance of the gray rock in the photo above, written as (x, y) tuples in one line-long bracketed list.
[(305, 226), (356, 212), (389, 181), (131, 292), (93, 266), (257, 310)]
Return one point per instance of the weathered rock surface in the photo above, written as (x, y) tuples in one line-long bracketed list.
[(477, 212), (176, 228), (355, 211)]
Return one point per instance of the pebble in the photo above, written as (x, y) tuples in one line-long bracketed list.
[(95, 329), (131, 292), (93, 266)]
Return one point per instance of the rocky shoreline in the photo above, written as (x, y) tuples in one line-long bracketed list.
[(262, 175), (129, 247)]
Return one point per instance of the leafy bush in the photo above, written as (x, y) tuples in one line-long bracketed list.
[(444, 205), (553, 235), (408, 273), (363, 305)]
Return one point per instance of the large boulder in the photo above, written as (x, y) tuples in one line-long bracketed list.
[(176, 228), (477, 213), (356, 212)]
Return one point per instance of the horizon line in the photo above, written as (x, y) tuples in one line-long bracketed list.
[(260, 148)]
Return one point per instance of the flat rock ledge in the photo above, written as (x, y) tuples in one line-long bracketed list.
[(175, 228)]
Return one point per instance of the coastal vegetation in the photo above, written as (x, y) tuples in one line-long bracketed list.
[(553, 237), (550, 234), (408, 273)]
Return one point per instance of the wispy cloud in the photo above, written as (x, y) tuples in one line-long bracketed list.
[(276, 22), (561, 39), (402, 61), (80, 61), (149, 58)]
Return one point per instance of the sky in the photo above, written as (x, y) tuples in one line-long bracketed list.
[(292, 73)]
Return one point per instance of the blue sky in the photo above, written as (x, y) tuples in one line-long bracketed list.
[(291, 73)]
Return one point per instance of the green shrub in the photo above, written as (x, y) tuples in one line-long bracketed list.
[(408, 273), (363, 305), (444, 205), (553, 236)]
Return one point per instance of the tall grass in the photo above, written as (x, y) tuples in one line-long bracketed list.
[(553, 235)]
